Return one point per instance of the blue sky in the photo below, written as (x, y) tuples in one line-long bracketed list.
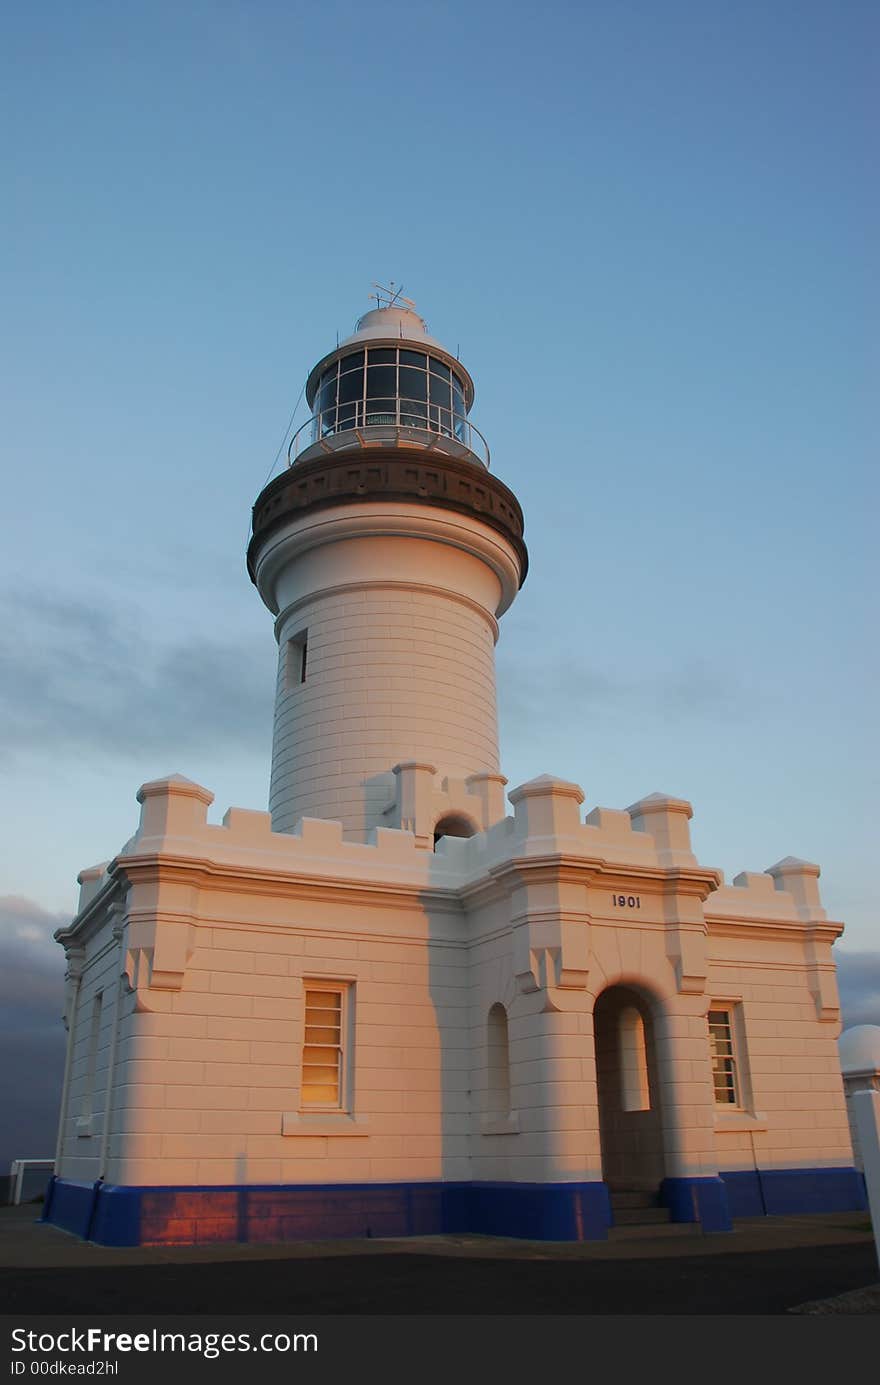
[(649, 228)]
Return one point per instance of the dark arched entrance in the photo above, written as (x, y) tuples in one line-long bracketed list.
[(630, 1119), (453, 825)]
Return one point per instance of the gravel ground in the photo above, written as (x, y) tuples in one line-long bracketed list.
[(856, 1301)]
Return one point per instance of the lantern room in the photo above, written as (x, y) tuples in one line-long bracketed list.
[(390, 383)]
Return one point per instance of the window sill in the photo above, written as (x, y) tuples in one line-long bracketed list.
[(322, 1123), (83, 1127), (740, 1120), (500, 1125)]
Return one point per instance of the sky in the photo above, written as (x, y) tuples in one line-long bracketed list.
[(648, 229)]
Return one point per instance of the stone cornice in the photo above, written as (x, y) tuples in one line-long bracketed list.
[(570, 869), (203, 873), (771, 926), (78, 928)]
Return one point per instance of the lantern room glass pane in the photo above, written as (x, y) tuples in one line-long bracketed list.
[(413, 413), (382, 355), (458, 410), (414, 358), (441, 420), (440, 393), (326, 402), (381, 381), (438, 368), (353, 362), (351, 387), (413, 384)]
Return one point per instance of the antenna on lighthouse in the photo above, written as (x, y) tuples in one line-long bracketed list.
[(391, 297)]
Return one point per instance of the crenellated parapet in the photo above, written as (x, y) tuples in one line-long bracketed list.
[(557, 872), (779, 904)]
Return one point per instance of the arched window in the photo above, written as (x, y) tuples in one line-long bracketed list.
[(453, 825), (498, 1062), (634, 1090)]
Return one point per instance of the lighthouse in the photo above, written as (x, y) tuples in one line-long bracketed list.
[(407, 1000), (387, 553)]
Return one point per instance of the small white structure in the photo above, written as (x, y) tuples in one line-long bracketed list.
[(860, 1061), (389, 1006), (18, 1171)]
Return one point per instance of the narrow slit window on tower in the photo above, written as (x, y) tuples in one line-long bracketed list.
[(296, 663)]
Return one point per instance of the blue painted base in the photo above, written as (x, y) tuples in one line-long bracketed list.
[(126, 1216), (539, 1211), (777, 1192), (702, 1200), (70, 1206)]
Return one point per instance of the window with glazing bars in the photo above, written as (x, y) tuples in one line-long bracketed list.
[(387, 386), (323, 1070), (724, 1060)]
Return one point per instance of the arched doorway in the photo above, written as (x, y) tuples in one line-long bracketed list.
[(630, 1119), (453, 825)]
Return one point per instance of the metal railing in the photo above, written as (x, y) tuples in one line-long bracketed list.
[(398, 422), (17, 1170)]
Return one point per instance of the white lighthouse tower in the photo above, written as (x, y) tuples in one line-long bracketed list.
[(393, 1005), (387, 554)]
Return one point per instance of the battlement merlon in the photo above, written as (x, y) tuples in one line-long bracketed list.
[(667, 820)]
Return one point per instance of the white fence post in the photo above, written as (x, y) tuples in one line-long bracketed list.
[(860, 1062)]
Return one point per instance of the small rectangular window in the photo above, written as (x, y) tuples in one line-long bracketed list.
[(725, 1062), (296, 660), (325, 1044)]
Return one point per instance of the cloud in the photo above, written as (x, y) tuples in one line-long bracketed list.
[(858, 979), (573, 688), (79, 677), (32, 1036)]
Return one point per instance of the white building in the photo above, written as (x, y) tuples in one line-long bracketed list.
[(390, 1007)]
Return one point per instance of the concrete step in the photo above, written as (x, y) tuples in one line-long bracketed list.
[(640, 1216), (632, 1197)]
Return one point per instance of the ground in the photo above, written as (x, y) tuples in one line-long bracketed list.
[(765, 1266)]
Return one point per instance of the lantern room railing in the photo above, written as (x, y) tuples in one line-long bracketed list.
[(389, 422)]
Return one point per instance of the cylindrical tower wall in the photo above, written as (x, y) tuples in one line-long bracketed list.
[(386, 611), (395, 670)]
